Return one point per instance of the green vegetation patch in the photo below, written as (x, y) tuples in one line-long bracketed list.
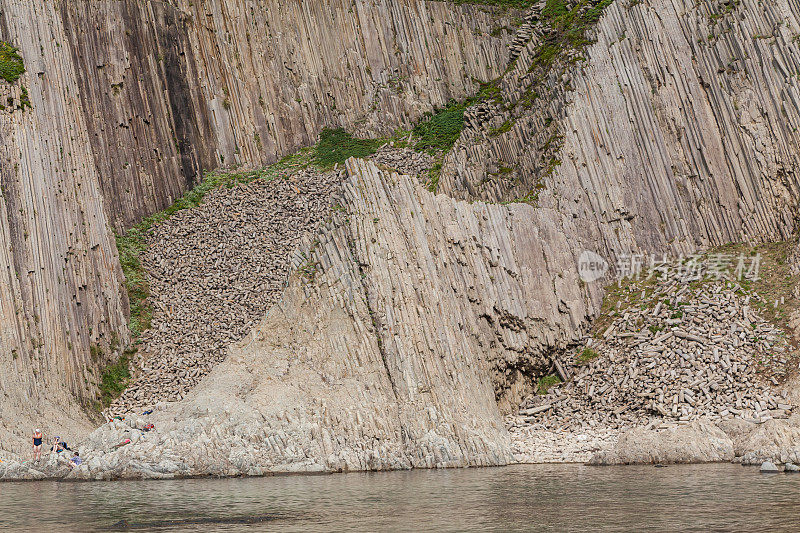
[(586, 356), (337, 146), (130, 247), (433, 176), (440, 131), (11, 65), (776, 281), (503, 128), (546, 382), (114, 379), (568, 30), (515, 4)]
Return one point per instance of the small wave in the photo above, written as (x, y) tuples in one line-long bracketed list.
[(125, 525)]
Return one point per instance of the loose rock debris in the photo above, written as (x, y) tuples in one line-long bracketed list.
[(681, 351), (214, 271)]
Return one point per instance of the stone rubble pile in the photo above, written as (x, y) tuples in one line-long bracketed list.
[(404, 160), (679, 352), (214, 272), (527, 30), (531, 444)]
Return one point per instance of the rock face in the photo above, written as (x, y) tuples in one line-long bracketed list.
[(426, 317), (59, 275), (389, 356), (746, 442), (698, 442), (355, 368), (189, 85), (679, 131), (130, 100)]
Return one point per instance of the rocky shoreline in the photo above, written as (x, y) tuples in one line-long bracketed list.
[(678, 370), (681, 368), (656, 386), (701, 441)]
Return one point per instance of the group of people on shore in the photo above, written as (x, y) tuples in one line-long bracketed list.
[(59, 446)]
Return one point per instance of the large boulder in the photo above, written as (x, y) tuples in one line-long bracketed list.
[(698, 442)]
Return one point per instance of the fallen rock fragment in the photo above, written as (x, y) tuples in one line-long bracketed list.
[(768, 467), (682, 373)]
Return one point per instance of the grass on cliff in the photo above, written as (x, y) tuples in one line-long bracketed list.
[(586, 356), (440, 130), (515, 4), (114, 380), (776, 282), (336, 146), (545, 383), (11, 64), (569, 26)]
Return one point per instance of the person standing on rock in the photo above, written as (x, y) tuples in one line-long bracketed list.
[(37, 444)]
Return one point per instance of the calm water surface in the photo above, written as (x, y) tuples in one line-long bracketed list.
[(519, 498)]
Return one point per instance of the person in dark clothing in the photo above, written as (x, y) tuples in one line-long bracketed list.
[(37, 444), (59, 446)]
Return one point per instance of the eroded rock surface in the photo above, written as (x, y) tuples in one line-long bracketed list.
[(745, 442), (698, 442), (388, 356), (427, 317)]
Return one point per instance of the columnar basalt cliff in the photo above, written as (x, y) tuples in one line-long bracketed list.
[(171, 88), (389, 354), (679, 130), (129, 101), (426, 316), (61, 307)]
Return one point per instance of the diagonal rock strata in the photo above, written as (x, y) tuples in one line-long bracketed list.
[(393, 354)]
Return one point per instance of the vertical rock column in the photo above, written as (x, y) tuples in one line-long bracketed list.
[(62, 312)]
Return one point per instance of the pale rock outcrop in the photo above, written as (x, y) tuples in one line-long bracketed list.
[(698, 442), (741, 441), (775, 440)]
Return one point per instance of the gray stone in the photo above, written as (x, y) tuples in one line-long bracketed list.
[(768, 467)]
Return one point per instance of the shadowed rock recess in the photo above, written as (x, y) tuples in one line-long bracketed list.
[(412, 321)]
